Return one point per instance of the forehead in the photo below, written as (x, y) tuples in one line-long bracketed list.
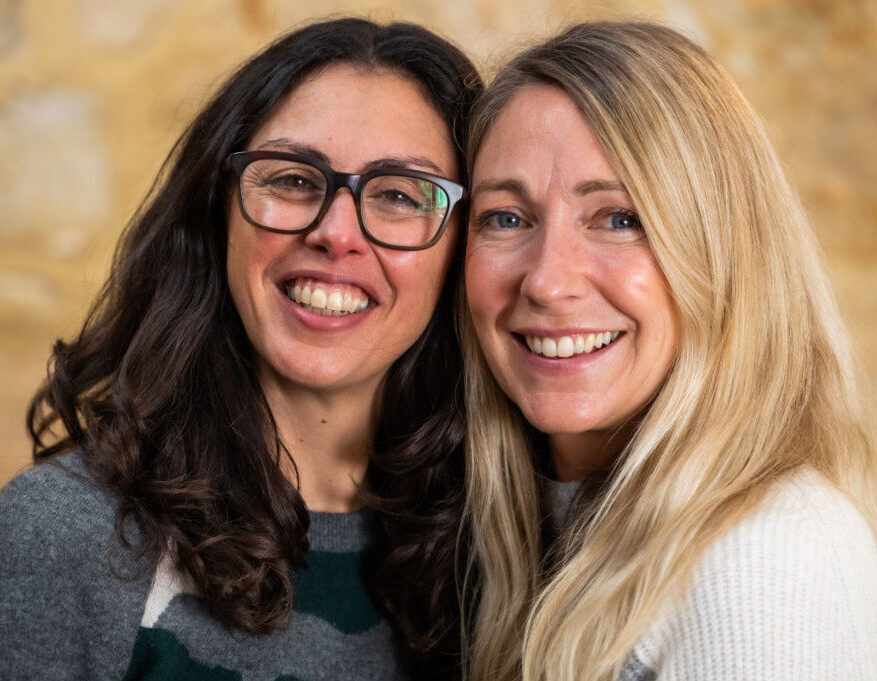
[(539, 130), (354, 114)]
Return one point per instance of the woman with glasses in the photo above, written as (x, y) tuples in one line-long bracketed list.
[(249, 457), (691, 492)]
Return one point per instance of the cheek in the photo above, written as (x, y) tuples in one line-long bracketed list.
[(485, 279), (650, 288), (477, 282), (249, 255), (418, 277), (645, 296), (237, 258), (634, 282), (645, 289)]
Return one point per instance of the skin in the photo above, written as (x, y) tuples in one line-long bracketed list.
[(322, 375), (555, 249)]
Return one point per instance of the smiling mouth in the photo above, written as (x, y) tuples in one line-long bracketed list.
[(323, 298), (568, 346)]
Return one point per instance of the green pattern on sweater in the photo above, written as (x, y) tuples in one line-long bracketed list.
[(352, 611), (75, 605), (331, 588), (159, 656)]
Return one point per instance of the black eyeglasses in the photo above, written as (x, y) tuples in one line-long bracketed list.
[(403, 209)]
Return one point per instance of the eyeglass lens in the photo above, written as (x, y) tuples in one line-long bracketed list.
[(395, 209)]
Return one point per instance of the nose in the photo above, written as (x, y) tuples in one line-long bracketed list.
[(559, 270), (338, 233)]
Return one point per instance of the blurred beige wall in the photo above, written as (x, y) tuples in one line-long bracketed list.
[(94, 92)]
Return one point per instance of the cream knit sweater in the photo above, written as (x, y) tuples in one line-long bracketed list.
[(788, 594)]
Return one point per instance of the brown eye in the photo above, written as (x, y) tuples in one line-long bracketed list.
[(290, 182)]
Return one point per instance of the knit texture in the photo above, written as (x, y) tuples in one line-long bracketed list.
[(788, 594), (74, 604)]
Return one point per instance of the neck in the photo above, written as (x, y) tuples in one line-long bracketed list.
[(329, 435), (578, 455)]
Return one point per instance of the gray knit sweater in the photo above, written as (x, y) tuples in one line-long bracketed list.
[(74, 604)]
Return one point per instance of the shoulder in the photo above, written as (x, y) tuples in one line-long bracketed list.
[(63, 472), (56, 519), (804, 522), (807, 535), (790, 592), (56, 502), (71, 596)]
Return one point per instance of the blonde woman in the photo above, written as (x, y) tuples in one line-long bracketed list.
[(670, 477)]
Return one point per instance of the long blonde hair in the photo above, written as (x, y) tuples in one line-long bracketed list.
[(762, 384)]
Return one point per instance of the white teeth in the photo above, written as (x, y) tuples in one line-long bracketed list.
[(338, 301), (567, 346), (589, 342), (335, 301), (549, 347), (318, 298)]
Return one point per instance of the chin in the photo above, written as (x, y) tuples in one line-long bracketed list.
[(554, 419), (553, 423)]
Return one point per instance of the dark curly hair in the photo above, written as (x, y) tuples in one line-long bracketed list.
[(159, 393)]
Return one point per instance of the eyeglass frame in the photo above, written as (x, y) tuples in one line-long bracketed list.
[(237, 161)]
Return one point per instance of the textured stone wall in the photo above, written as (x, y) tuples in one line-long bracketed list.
[(94, 92)]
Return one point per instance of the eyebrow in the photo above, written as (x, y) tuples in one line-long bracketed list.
[(398, 162), (404, 163), (295, 148), (517, 187)]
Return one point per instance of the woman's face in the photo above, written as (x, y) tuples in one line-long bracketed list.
[(569, 305), (354, 119)]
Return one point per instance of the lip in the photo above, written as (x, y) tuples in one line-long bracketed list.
[(323, 323), (559, 365)]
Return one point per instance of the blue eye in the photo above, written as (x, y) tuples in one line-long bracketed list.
[(624, 221), (508, 220), (500, 219)]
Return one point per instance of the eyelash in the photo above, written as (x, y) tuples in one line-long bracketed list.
[(624, 213), (484, 219)]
